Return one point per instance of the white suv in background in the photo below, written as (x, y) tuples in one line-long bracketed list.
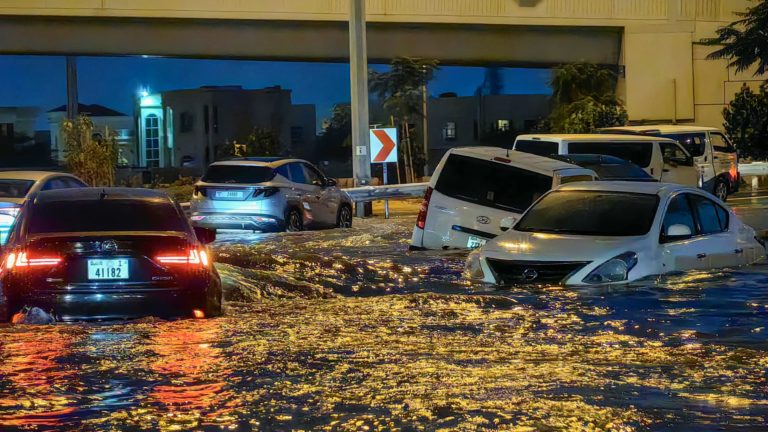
[(664, 159), (713, 153), (476, 192)]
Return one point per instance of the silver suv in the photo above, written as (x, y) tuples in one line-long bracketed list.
[(269, 195)]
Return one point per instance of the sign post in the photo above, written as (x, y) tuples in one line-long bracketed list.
[(384, 151)]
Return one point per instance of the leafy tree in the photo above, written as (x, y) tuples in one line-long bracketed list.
[(401, 93), (262, 142), (746, 121), (92, 157), (336, 139), (744, 42), (584, 98)]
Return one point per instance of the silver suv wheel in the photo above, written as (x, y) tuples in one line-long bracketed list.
[(293, 222), (345, 217), (721, 190)]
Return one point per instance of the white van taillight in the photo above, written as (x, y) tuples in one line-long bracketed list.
[(421, 221)]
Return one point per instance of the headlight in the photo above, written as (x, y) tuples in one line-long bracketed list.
[(474, 269), (615, 269)]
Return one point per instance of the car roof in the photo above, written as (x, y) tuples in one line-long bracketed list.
[(589, 137), (31, 175), (648, 188), (95, 193), (517, 158), (258, 161), (663, 128)]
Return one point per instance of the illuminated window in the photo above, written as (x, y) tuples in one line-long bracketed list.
[(449, 131), (502, 125), (152, 140)]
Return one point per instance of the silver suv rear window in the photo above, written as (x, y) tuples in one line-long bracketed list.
[(246, 174)]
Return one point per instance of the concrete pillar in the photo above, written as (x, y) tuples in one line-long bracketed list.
[(358, 69), (72, 103)]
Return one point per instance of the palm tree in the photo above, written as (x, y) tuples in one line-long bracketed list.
[(401, 92), (744, 42)]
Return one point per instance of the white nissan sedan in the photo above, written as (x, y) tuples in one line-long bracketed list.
[(590, 233)]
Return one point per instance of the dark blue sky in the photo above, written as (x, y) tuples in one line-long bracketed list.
[(114, 81)]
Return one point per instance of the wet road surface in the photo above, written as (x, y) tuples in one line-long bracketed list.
[(346, 330)]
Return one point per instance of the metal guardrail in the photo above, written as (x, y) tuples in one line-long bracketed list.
[(754, 168), (374, 193), (388, 192)]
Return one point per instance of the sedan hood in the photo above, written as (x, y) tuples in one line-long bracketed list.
[(527, 246)]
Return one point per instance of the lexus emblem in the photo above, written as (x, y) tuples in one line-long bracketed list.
[(530, 274), (483, 220), (109, 246)]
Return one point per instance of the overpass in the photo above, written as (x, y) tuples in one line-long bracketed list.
[(665, 75)]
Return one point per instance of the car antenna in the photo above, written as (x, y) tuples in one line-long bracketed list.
[(103, 194)]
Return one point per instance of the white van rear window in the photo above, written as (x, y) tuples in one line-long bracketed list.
[(639, 153), (541, 148), (491, 184)]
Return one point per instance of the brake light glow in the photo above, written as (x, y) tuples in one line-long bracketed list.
[(421, 220), (198, 314), (22, 260), (193, 258)]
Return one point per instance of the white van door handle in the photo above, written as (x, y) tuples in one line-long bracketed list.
[(701, 256), (738, 251)]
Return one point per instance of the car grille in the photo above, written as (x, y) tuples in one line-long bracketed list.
[(533, 272)]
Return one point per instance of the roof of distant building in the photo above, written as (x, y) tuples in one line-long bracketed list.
[(93, 110)]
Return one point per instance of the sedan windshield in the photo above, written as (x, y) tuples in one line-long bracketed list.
[(14, 188), (598, 213), (246, 174)]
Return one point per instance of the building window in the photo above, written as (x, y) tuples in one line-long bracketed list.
[(449, 131), (187, 121), (502, 125), (152, 140), (6, 130)]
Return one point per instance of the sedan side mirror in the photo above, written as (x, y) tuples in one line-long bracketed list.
[(205, 235), (507, 223), (678, 231)]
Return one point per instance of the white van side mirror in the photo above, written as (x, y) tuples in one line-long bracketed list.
[(679, 231), (507, 223)]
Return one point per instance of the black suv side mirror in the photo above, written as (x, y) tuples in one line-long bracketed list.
[(205, 235)]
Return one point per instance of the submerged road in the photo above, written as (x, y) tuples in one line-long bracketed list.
[(346, 330)]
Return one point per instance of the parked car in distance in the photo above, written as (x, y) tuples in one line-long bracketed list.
[(108, 253), (269, 195), (607, 167), (474, 191), (616, 232), (664, 159), (16, 186), (713, 153)]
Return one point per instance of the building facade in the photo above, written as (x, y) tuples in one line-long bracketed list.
[(187, 128), (480, 120)]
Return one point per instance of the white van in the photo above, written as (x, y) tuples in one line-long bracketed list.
[(476, 190), (664, 159), (712, 151)]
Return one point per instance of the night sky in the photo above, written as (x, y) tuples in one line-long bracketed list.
[(114, 81)]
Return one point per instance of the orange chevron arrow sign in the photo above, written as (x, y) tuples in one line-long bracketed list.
[(384, 145)]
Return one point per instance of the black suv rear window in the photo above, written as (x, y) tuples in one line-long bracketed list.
[(104, 215), (238, 174), (639, 153), (491, 184)]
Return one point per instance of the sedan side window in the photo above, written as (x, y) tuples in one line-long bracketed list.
[(73, 183), (712, 218), (283, 171), (53, 184), (297, 173), (678, 213)]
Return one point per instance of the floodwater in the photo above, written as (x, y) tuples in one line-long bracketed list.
[(346, 330)]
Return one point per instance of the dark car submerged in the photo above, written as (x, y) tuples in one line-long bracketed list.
[(113, 253)]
